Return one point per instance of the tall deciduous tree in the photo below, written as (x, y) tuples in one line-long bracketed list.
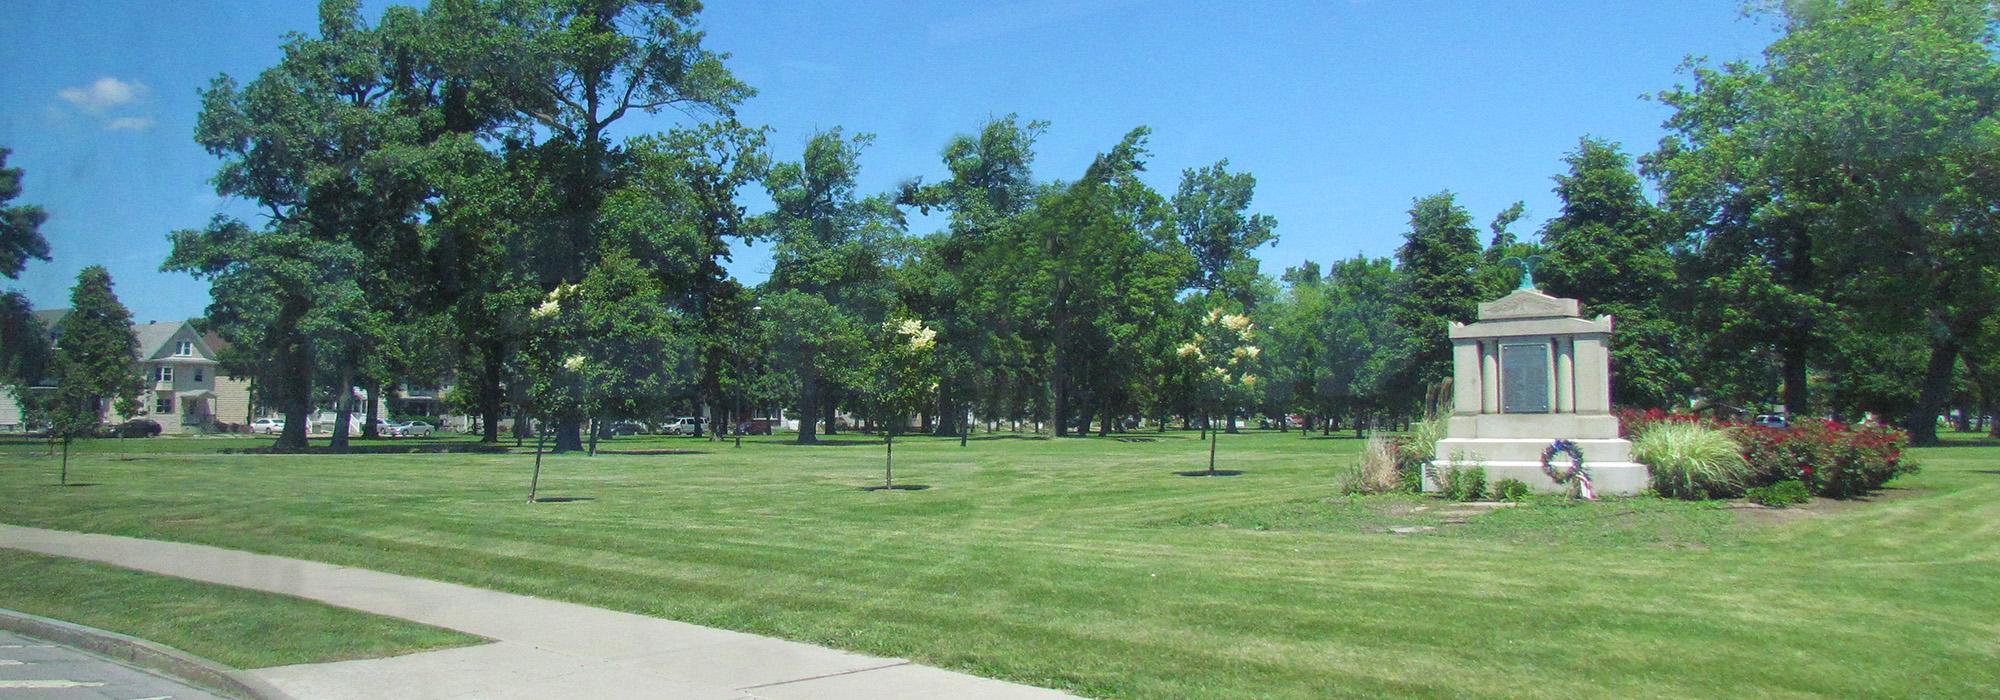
[(1609, 250), (832, 255), (94, 363), (990, 187), (1435, 266), (1102, 266), (1858, 159), (1212, 210), (23, 341), (20, 224)]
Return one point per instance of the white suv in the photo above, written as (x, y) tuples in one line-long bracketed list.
[(268, 426), (680, 426)]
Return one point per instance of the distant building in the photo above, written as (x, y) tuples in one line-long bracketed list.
[(184, 391)]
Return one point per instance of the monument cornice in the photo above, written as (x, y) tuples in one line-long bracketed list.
[(1530, 327)]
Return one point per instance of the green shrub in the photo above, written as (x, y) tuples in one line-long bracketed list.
[(1511, 490), (1691, 461), (1779, 495), (1459, 483)]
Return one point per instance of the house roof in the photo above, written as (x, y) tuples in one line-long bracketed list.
[(154, 335), (50, 317)]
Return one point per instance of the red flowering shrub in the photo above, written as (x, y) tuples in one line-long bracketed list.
[(1832, 459), (1632, 421)]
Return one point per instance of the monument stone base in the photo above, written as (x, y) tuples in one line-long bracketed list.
[(1609, 461)]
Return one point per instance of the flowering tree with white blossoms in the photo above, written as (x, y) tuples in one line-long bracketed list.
[(902, 378), (1226, 359), (603, 348)]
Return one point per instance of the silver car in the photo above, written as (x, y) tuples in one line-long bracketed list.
[(415, 428)]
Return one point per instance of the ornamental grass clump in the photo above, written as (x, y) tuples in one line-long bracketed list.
[(1378, 470), (1691, 461)]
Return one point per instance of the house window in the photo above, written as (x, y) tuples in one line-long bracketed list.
[(197, 374), (184, 348), (163, 373), (164, 404)]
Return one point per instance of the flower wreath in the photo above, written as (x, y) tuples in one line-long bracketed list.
[(1576, 472)]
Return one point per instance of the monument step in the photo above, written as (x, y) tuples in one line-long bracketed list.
[(1608, 478), (1530, 449)]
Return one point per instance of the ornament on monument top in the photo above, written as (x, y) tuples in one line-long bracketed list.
[(1527, 263)]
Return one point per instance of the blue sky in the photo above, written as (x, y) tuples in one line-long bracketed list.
[(1345, 111)]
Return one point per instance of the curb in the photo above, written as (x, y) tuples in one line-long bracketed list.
[(151, 656)]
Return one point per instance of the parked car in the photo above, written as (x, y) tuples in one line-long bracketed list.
[(1772, 420), (137, 427), (623, 427), (686, 425), (267, 426), (415, 428), (754, 426)]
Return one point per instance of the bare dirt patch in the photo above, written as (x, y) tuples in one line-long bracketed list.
[(1751, 513)]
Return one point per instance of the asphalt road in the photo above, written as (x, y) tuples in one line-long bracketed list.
[(31, 669)]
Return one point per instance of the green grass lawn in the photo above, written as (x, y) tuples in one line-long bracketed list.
[(1087, 564), (241, 628)]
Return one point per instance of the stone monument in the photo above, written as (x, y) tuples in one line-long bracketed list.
[(1531, 371)]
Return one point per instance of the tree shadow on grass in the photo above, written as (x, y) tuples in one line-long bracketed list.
[(1966, 442), (1205, 472), (897, 487), (837, 442), (76, 484), (979, 438), (652, 452), (563, 499), (1986, 471)]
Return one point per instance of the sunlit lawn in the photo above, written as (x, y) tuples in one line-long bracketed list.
[(244, 629), (1088, 564)]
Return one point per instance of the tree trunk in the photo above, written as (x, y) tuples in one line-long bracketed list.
[(832, 418), (1922, 422), (343, 411), (64, 479), (889, 460), (369, 414), (808, 410), (294, 385), (594, 430), (541, 439), (490, 397), (1212, 437), (949, 413), (1792, 357), (569, 434), (1231, 421), (1060, 410)]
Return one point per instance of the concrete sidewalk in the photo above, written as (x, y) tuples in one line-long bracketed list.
[(541, 649)]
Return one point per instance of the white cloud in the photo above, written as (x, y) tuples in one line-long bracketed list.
[(103, 94), (129, 124)]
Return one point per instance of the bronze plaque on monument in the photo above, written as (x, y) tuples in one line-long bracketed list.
[(1524, 378)]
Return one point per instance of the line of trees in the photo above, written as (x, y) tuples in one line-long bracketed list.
[(444, 201)]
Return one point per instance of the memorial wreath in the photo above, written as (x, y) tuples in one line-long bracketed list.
[(1575, 474)]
